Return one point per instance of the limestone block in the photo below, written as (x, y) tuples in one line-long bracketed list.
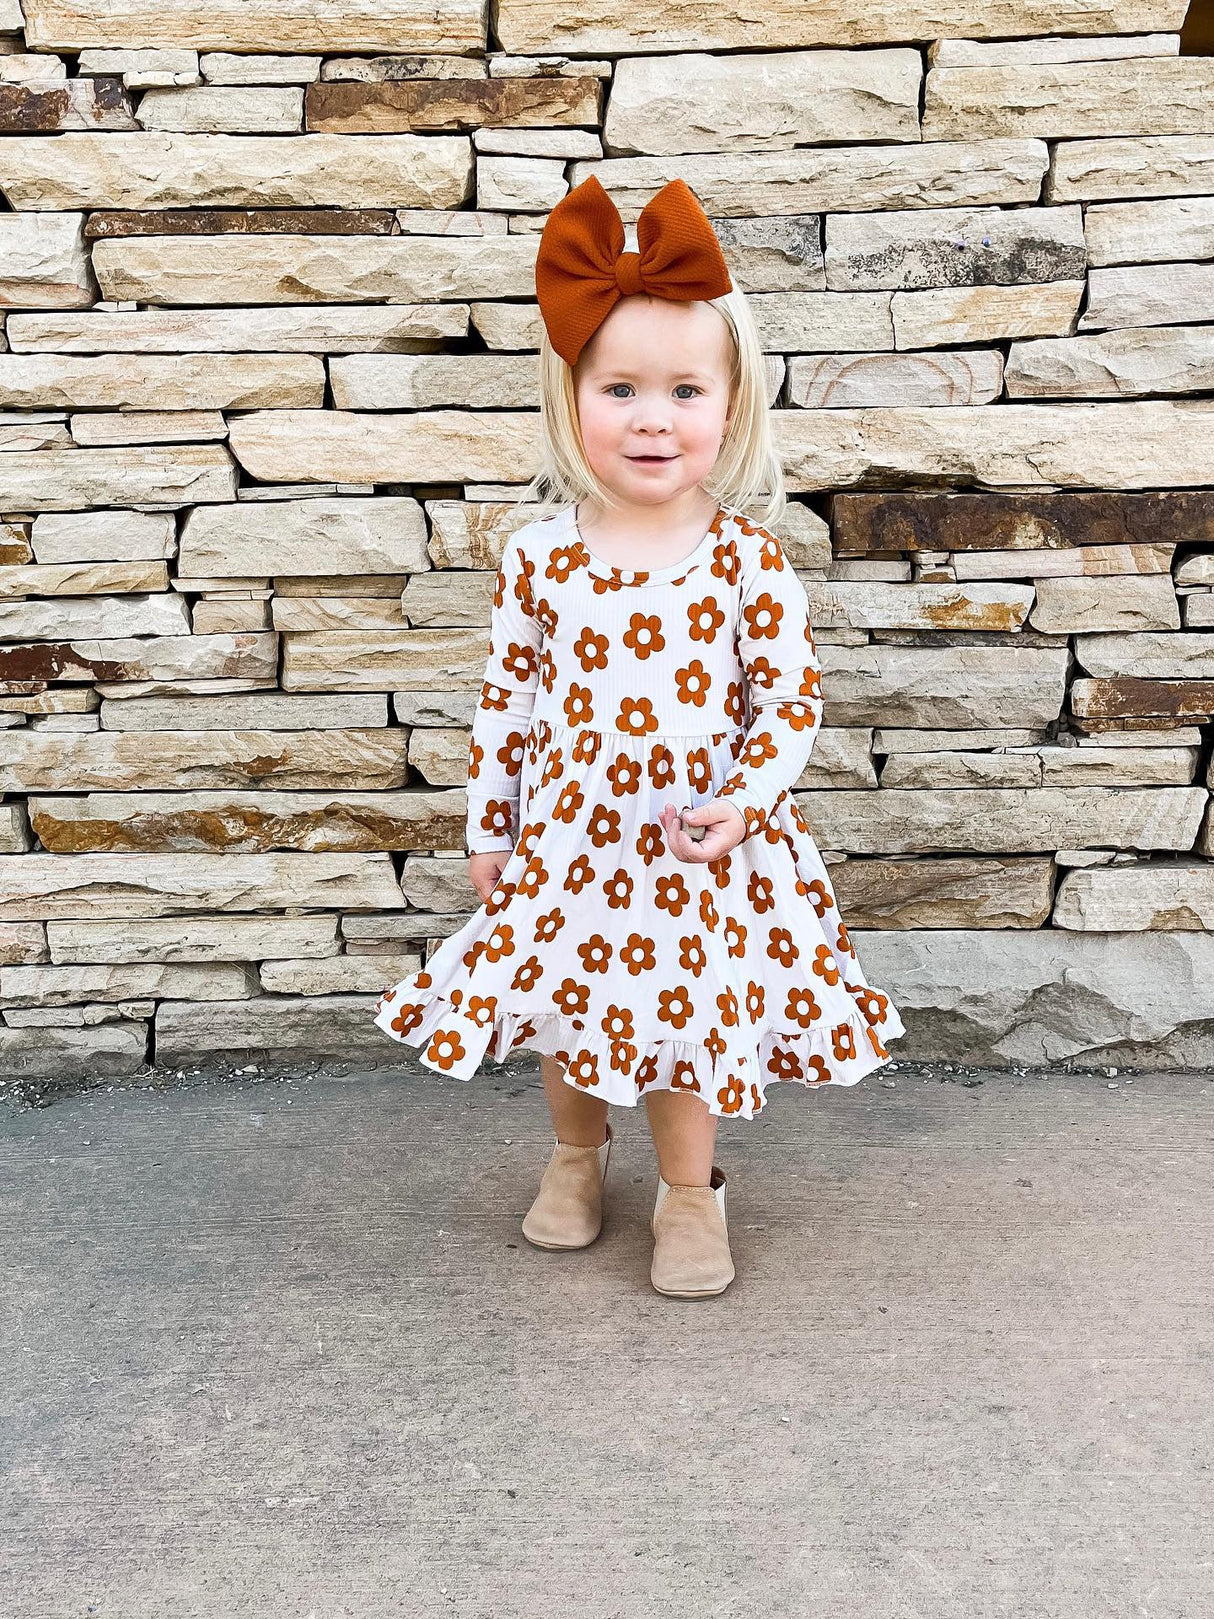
[(508, 326), (43, 262), (148, 170), (60, 986), (35, 761), (241, 822), (1174, 228), (473, 534), (337, 329), (426, 708), (1162, 95), (221, 616), (828, 381), (208, 109), (432, 381), (377, 69), (135, 63), (37, 69), (774, 253), (73, 618), (379, 660), (1149, 166), (1125, 899), (385, 107), (440, 446), (339, 975), (1008, 820), (761, 101), (1129, 606), (1094, 563), (430, 885), (68, 1054), (951, 247), (247, 711), (1119, 445), (810, 180), (1149, 295), (22, 943), (113, 427), (947, 315), (313, 269), (33, 433), (888, 739), (823, 320), (438, 753), (382, 534), (562, 143), (805, 536), (334, 1027), (142, 658), (1002, 998), (20, 581), (1128, 701), (44, 107), (106, 223), (183, 382), (957, 686), (441, 597), (70, 700), (1160, 655), (338, 613), (228, 67), (109, 885), (869, 606), (912, 521), (1043, 766), (71, 480), (1126, 363), (14, 824), (523, 184), (265, 25), (601, 27), (1021, 52), (190, 938), (114, 536)]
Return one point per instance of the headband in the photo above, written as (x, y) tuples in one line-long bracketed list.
[(582, 270)]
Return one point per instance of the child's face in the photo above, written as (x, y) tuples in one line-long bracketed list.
[(654, 380)]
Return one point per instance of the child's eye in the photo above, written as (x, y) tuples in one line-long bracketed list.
[(615, 385)]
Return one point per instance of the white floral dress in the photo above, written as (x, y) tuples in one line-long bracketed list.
[(608, 694)]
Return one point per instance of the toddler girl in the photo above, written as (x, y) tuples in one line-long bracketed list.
[(650, 653)]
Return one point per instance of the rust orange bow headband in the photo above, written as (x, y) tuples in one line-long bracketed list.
[(582, 270)]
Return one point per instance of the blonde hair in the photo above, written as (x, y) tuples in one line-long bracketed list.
[(748, 472)]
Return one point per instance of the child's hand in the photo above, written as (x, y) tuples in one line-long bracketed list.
[(485, 870), (726, 828)]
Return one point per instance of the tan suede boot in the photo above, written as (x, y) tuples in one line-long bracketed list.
[(568, 1209), (691, 1258)]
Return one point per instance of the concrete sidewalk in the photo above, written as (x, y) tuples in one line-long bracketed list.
[(280, 1349)]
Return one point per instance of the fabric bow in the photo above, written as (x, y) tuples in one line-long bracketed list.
[(582, 270)]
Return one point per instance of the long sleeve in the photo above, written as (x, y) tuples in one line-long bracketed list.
[(776, 648), (503, 711)]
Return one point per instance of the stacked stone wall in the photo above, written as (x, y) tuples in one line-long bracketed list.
[(268, 394)]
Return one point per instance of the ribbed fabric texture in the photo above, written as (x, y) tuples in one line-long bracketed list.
[(698, 690), (582, 270)]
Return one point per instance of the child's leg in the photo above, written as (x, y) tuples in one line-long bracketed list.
[(684, 1133), (577, 1117)]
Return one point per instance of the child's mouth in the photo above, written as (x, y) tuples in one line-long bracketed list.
[(651, 460)]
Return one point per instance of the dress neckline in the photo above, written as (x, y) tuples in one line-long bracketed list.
[(637, 577)]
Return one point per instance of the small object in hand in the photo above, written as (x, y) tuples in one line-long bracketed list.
[(695, 833)]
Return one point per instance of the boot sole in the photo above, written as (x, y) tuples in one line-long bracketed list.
[(700, 1293), (562, 1247)]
